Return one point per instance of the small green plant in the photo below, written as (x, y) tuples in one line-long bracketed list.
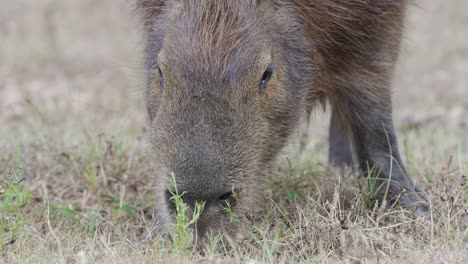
[(372, 179), (229, 211), (91, 174), (129, 210), (91, 221), (269, 246), (374, 184), (214, 242), (465, 173), (183, 234), (377, 188), (12, 198), (293, 194), (65, 212)]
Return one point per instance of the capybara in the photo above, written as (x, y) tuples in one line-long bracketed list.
[(228, 82)]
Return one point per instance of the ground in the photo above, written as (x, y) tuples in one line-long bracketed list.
[(76, 186)]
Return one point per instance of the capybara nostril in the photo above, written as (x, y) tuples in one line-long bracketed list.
[(225, 196), (228, 198)]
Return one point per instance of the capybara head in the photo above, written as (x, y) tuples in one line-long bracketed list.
[(226, 85)]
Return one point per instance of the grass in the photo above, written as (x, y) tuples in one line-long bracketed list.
[(12, 198), (76, 181), (182, 238), (232, 215), (308, 217)]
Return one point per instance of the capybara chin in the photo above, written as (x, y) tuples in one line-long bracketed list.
[(228, 81)]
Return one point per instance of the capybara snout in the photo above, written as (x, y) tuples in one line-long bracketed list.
[(228, 81)]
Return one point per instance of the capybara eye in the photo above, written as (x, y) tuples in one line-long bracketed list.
[(161, 78), (265, 78)]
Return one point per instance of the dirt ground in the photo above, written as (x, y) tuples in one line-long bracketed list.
[(75, 184)]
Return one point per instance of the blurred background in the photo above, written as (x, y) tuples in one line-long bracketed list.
[(68, 65)]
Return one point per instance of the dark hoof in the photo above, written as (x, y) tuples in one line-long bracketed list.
[(416, 203), (422, 211)]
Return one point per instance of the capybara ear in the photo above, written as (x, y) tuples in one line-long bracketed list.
[(150, 9)]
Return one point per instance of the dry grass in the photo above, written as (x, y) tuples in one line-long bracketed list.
[(75, 184)]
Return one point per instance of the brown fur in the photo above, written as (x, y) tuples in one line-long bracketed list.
[(217, 131)]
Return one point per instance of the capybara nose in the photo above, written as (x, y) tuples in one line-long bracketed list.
[(219, 199)]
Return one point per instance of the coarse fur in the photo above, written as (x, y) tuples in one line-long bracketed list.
[(217, 128)]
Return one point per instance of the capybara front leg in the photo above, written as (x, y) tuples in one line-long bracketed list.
[(367, 111)]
